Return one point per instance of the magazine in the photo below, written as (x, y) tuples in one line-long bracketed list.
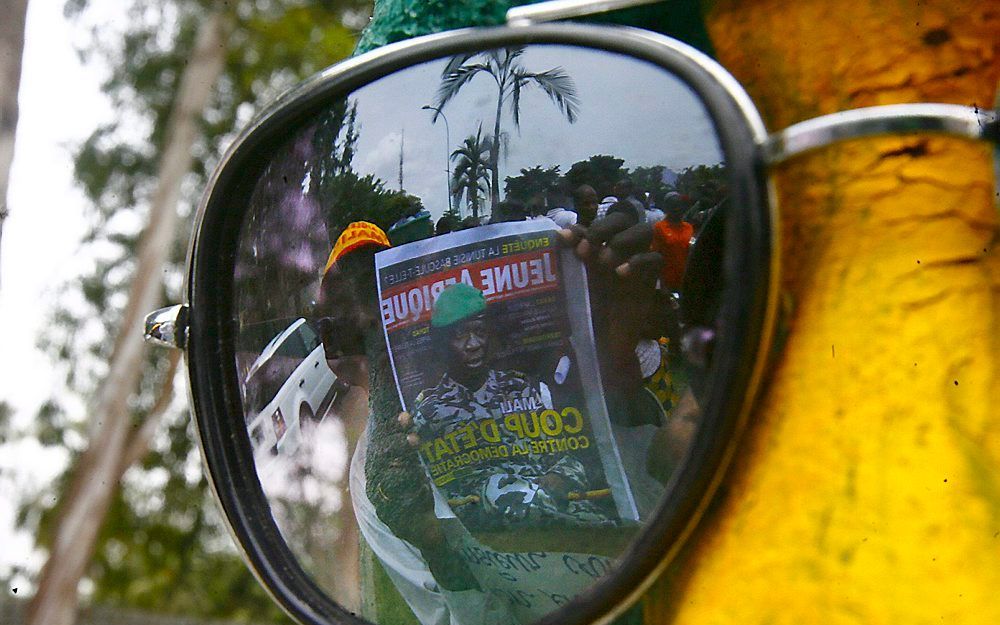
[(492, 350)]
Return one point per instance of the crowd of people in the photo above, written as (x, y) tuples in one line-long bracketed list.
[(567, 207)]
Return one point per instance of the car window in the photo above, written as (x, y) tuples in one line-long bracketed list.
[(291, 347), (310, 338), (268, 380), (267, 377), (298, 344)]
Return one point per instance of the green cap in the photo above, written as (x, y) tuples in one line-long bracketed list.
[(456, 303)]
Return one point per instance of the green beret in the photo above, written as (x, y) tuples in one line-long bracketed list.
[(455, 303)]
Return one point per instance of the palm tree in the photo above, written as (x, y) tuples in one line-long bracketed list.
[(472, 172), (511, 78)]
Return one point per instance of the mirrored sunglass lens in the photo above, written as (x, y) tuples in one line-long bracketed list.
[(449, 409)]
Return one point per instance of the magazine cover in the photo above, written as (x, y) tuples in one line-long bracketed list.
[(492, 349)]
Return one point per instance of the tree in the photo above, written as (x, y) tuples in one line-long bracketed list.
[(101, 466), (651, 180), (471, 174), (532, 182), (11, 49), (599, 171), (703, 184), (187, 73), (345, 195), (503, 66)]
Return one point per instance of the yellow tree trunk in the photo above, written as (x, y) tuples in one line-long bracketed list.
[(867, 489)]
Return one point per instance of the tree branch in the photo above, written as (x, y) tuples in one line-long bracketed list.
[(138, 446)]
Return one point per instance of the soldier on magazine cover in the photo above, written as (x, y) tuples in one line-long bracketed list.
[(521, 477)]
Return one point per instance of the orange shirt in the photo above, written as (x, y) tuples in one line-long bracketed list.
[(672, 241)]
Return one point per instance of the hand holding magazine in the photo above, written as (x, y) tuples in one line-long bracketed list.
[(490, 340)]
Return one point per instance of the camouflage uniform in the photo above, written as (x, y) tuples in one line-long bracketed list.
[(506, 488)]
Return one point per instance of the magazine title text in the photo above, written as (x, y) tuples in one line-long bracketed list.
[(513, 276)]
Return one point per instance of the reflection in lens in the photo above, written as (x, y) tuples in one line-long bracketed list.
[(453, 417)]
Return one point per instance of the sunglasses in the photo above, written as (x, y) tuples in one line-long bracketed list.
[(558, 479)]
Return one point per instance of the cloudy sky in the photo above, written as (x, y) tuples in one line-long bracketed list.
[(628, 108)]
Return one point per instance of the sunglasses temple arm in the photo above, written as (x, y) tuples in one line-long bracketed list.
[(893, 119)]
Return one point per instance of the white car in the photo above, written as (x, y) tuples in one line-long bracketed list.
[(289, 382)]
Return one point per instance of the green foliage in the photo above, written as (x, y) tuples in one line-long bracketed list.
[(704, 185), (105, 170), (532, 182), (342, 194), (471, 174), (50, 424), (511, 78), (6, 411), (271, 45), (306, 38), (402, 204), (318, 159), (650, 180), (160, 548), (354, 198), (599, 171), (700, 187)]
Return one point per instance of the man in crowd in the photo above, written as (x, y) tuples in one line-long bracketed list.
[(672, 238)]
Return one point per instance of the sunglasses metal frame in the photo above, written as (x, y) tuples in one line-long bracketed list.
[(205, 324)]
